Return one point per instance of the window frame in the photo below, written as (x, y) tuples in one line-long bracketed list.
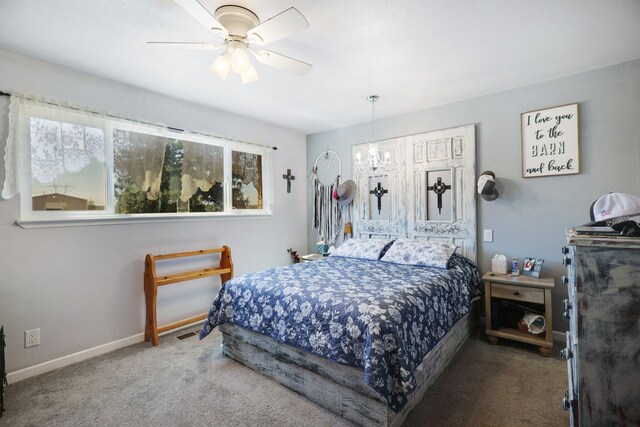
[(32, 219)]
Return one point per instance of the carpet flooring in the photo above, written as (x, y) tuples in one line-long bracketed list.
[(190, 383)]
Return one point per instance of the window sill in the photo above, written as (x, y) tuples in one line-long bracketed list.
[(133, 219)]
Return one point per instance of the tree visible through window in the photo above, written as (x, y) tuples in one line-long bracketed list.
[(246, 176), (153, 176)]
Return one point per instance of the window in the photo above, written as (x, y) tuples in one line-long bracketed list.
[(67, 166), (154, 174), (77, 165)]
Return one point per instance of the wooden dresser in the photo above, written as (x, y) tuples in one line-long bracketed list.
[(603, 341)]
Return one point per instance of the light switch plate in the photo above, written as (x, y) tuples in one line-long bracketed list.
[(488, 235)]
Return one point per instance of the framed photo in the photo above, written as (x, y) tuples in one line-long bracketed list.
[(550, 142), (532, 267)]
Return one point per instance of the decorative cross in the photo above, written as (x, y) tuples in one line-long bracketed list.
[(379, 192), (439, 188), (289, 178)]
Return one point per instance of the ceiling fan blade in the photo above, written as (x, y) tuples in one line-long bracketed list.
[(186, 45), (282, 62), (196, 9), (288, 22)]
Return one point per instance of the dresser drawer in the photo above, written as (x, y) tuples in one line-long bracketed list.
[(517, 293)]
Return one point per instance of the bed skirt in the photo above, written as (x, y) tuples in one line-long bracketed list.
[(338, 388)]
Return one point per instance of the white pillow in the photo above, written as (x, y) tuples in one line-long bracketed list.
[(426, 253), (361, 248)]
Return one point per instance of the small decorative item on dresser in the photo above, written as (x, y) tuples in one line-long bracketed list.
[(532, 267), (515, 270), (499, 264)]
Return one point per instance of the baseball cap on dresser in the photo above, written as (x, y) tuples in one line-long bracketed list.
[(615, 210)]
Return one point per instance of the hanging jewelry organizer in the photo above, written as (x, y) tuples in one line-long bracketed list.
[(326, 211)]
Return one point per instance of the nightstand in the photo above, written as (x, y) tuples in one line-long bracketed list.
[(520, 289)]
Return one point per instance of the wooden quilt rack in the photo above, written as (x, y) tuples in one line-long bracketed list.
[(152, 281)]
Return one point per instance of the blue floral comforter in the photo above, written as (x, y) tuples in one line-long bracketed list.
[(380, 316)]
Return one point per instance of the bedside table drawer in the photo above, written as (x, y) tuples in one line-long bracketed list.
[(517, 293)]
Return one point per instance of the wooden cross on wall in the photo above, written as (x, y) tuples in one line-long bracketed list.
[(439, 188), (289, 178), (379, 192)]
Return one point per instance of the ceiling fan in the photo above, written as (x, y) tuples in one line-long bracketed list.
[(242, 31)]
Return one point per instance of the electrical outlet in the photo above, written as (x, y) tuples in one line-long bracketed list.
[(31, 338)]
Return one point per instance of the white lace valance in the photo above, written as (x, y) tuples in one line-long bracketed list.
[(202, 167), (61, 140), (248, 167), (139, 157), (11, 160), (58, 147)]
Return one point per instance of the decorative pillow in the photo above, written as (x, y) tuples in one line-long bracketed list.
[(424, 253), (362, 248)]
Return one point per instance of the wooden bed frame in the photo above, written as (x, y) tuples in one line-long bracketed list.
[(339, 388)]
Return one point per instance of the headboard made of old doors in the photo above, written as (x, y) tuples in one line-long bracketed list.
[(380, 210), (426, 189)]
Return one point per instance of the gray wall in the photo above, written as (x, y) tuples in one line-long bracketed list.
[(82, 286), (531, 215)]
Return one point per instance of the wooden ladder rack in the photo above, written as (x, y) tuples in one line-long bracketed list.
[(152, 281)]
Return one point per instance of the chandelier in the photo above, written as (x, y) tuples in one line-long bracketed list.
[(374, 161)]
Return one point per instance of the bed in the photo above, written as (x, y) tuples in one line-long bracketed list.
[(365, 332), (360, 336)]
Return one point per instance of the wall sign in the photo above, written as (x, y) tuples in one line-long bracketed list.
[(550, 141)]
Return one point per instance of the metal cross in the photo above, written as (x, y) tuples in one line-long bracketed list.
[(439, 188), (379, 192), (289, 178)]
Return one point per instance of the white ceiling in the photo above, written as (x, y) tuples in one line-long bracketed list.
[(414, 54)]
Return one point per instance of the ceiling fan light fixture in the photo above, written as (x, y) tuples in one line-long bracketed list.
[(221, 66), (249, 76), (240, 60), (240, 28)]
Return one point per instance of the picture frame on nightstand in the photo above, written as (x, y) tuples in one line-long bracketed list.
[(532, 267)]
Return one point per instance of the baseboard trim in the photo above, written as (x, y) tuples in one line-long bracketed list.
[(41, 368), (60, 362)]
